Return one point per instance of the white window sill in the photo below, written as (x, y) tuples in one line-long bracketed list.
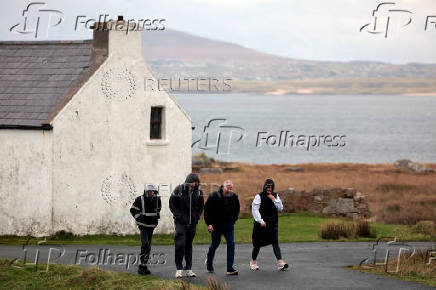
[(157, 142)]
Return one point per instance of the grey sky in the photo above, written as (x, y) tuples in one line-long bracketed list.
[(313, 29)]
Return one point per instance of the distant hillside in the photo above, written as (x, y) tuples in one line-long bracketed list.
[(173, 53), (184, 47)]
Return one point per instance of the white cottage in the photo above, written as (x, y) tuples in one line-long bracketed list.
[(80, 135)]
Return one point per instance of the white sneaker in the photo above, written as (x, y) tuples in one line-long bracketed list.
[(282, 266), (179, 274), (253, 266), (190, 273)]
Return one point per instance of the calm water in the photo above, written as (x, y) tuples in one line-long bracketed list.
[(374, 129)]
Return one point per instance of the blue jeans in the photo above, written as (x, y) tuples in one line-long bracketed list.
[(226, 230)]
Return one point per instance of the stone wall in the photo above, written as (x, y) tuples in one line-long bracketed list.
[(345, 202)]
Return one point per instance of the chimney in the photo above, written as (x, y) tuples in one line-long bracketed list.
[(120, 37)]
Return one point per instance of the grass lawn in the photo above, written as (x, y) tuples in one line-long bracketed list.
[(293, 227), (68, 277)]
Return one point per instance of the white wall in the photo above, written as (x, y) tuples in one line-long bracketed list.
[(102, 152), (25, 182)]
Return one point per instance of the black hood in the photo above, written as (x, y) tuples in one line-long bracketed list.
[(192, 177), (268, 182)]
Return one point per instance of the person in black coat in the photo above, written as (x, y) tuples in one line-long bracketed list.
[(220, 214), (265, 209), (146, 211), (186, 204)]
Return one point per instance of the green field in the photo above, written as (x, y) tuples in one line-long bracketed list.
[(293, 227)]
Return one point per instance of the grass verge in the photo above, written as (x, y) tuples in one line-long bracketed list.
[(414, 268), (293, 227), (16, 276)]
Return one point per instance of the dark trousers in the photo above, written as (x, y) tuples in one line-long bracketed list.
[(183, 237), (276, 250), (228, 232), (146, 235)]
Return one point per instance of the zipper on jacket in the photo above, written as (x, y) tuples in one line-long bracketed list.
[(190, 207)]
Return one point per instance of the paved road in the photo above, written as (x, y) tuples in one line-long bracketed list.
[(314, 265)]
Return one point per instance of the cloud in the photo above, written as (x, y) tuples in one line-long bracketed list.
[(313, 29), (234, 2)]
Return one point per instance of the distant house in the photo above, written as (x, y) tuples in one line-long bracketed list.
[(80, 136)]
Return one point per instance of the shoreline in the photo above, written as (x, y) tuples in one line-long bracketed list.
[(222, 162), (287, 93)]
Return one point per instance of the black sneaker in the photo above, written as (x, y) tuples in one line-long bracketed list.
[(143, 270), (232, 272), (209, 267)]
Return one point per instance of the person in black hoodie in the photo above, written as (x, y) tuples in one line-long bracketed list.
[(186, 204), (220, 214), (146, 211), (265, 206)]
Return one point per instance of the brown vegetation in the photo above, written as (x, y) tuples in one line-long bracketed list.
[(336, 230), (395, 196)]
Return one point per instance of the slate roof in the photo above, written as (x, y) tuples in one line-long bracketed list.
[(35, 77)]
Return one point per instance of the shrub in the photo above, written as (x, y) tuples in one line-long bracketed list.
[(62, 235), (426, 227), (336, 230), (362, 228), (214, 284)]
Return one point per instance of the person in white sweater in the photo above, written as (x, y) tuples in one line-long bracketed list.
[(265, 208)]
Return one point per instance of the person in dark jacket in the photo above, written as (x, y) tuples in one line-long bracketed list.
[(186, 204), (146, 211), (265, 206), (220, 214)]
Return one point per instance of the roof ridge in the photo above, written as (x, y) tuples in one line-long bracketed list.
[(45, 42)]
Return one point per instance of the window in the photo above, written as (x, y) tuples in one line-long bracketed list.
[(156, 123)]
